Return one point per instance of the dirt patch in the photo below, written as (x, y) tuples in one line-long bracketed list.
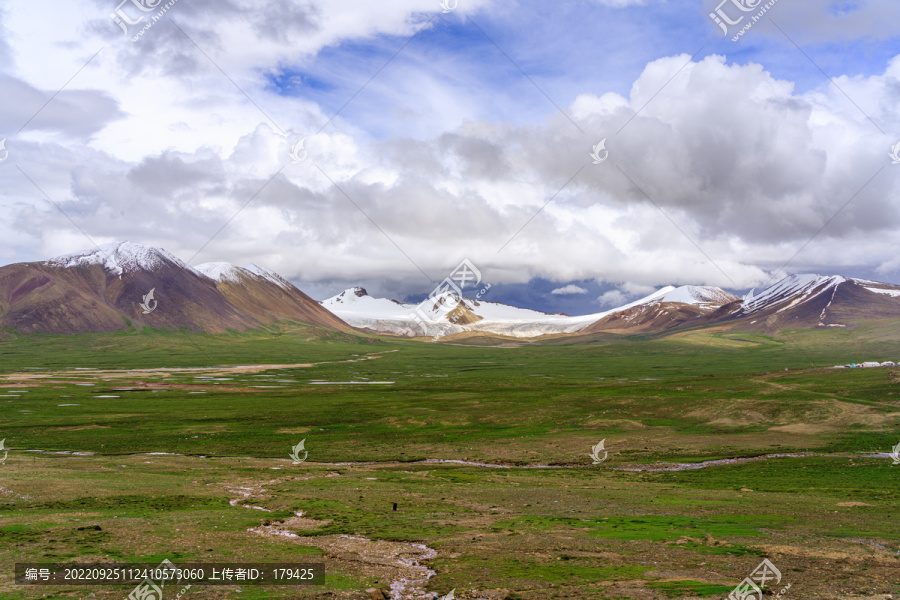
[(82, 427), (206, 428), (294, 430), (853, 504), (123, 374), (397, 562)]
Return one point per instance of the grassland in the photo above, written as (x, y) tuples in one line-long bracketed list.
[(620, 529)]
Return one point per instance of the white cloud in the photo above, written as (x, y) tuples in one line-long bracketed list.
[(151, 142), (569, 289), (613, 298)]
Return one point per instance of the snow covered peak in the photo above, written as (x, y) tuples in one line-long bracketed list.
[(220, 271), (433, 315), (696, 294), (268, 275), (795, 287), (223, 271), (119, 257), (354, 297)]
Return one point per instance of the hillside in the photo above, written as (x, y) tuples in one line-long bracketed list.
[(109, 289), (795, 301)]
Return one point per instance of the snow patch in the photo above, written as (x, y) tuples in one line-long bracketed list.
[(794, 288), (220, 271), (893, 293), (121, 257), (268, 275), (357, 308)]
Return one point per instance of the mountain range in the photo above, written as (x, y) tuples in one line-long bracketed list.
[(106, 289), (120, 286), (796, 301)]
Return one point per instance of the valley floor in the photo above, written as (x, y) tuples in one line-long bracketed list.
[(140, 448)]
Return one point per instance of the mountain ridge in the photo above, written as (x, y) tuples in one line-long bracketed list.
[(800, 300), (104, 290), (359, 309)]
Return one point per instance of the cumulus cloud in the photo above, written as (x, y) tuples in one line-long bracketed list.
[(569, 289), (613, 298), (748, 198), (718, 171)]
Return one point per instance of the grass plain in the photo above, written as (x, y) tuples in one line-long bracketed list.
[(142, 446)]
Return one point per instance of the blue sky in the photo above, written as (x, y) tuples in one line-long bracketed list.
[(567, 49)]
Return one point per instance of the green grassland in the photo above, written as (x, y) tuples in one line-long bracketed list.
[(143, 465)]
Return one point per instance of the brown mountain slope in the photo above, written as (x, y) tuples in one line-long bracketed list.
[(96, 291), (794, 302), (649, 318), (267, 297), (823, 302)]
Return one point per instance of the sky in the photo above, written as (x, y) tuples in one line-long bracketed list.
[(580, 154)]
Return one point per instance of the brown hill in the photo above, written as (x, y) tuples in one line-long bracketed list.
[(103, 291), (807, 301), (794, 302), (267, 297), (648, 318)]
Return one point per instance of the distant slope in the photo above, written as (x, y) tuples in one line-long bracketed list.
[(359, 309), (666, 310), (266, 296), (803, 301), (97, 290), (796, 301)]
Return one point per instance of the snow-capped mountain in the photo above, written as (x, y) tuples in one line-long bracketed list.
[(794, 301), (120, 257), (359, 309), (224, 272), (793, 288), (697, 295), (121, 285), (809, 300)]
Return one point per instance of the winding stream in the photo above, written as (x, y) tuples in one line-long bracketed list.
[(655, 467)]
